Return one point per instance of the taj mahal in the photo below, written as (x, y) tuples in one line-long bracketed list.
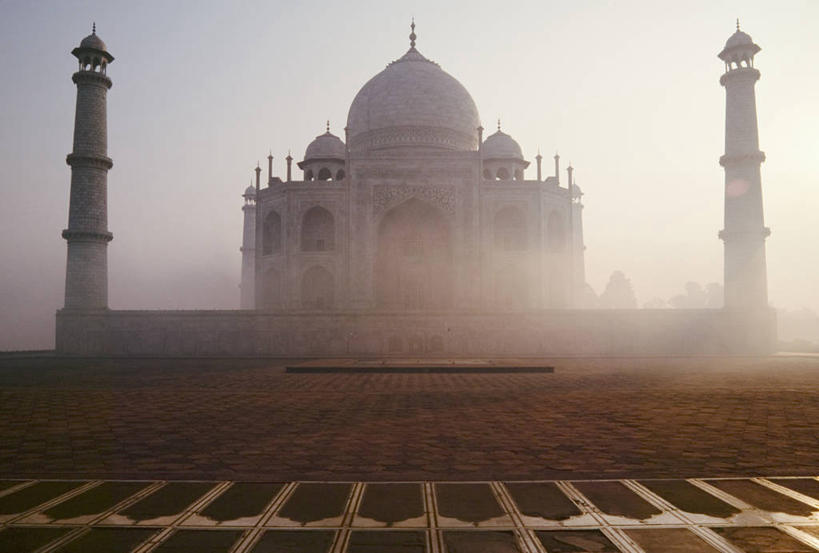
[(413, 212), (415, 234)]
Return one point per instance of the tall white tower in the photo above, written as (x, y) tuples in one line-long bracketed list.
[(746, 286), (248, 249), (86, 274)]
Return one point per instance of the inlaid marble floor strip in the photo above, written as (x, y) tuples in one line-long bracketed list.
[(624, 516)]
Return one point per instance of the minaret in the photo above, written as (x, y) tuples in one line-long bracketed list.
[(289, 160), (746, 287), (570, 239), (86, 274), (248, 249)]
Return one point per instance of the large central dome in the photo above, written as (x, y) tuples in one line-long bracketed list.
[(412, 103)]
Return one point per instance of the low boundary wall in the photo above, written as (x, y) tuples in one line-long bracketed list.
[(303, 334)]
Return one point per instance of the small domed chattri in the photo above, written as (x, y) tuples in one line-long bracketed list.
[(325, 146), (501, 146), (93, 41)]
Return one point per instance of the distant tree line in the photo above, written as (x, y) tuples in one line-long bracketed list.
[(798, 329)]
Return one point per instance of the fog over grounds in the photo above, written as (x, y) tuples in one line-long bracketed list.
[(628, 93)]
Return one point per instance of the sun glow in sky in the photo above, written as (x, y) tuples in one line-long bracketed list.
[(627, 91)]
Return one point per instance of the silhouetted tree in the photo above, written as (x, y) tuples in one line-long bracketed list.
[(655, 303), (695, 297), (715, 296), (588, 298), (618, 293)]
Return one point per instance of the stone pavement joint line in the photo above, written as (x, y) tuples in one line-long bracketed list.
[(601, 521)]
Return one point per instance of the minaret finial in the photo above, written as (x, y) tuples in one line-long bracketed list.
[(94, 27), (498, 124), (412, 36), (737, 23), (328, 126)]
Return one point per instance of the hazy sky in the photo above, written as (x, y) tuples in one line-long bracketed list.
[(626, 91)]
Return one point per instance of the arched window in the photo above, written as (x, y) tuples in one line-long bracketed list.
[(487, 174), (518, 174), (272, 234), (318, 230), (317, 288), (308, 175), (325, 174), (510, 229), (511, 290), (340, 174), (556, 232), (503, 173)]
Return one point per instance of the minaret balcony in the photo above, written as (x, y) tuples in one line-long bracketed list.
[(733, 235), (740, 74), (88, 159), (92, 77), (737, 159)]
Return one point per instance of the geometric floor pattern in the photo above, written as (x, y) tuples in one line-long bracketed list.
[(729, 515)]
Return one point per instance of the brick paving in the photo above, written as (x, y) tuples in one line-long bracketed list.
[(249, 420)]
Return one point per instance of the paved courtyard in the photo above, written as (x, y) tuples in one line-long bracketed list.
[(619, 455), (250, 420)]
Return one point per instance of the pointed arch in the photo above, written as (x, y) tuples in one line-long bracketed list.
[(413, 267), (510, 229), (271, 289), (511, 289), (556, 232), (317, 288), (272, 234), (318, 230)]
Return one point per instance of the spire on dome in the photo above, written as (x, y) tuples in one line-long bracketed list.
[(499, 128), (93, 27), (328, 126), (737, 23), (412, 36)]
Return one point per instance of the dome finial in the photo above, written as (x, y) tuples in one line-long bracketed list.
[(412, 36), (737, 23), (93, 27), (499, 124), (328, 126)]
